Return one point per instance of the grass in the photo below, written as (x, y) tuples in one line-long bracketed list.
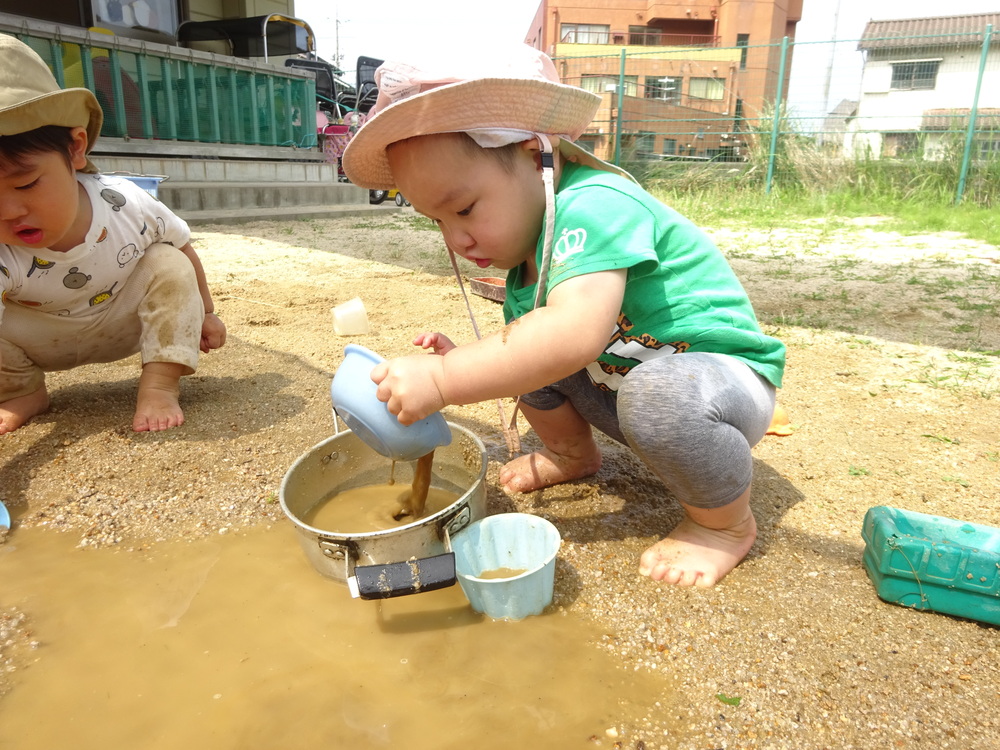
[(913, 194), (722, 205)]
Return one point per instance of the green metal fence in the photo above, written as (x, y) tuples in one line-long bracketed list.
[(158, 92), (926, 102)]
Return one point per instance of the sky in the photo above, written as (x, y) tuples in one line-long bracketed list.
[(822, 74)]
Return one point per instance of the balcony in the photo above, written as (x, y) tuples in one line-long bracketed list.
[(649, 38)]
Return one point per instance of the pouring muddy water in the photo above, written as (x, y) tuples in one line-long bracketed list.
[(357, 526), (353, 524)]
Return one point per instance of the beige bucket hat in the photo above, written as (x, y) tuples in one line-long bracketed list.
[(513, 91), (30, 98)]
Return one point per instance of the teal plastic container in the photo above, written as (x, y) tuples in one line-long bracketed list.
[(928, 562)]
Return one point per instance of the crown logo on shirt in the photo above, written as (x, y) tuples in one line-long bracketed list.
[(569, 244)]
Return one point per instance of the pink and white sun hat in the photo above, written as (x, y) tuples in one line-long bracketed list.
[(503, 96)]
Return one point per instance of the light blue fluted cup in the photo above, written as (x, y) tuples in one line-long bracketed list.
[(355, 402), (505, 543)]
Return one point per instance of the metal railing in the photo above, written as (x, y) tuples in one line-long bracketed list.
[(649, 38), (157, 92)]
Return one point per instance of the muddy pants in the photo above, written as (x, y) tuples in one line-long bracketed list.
[(692, 418), (158, 312)]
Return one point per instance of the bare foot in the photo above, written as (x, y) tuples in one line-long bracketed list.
[(157, 405), (696, 555), (544, 468), (16, 411)]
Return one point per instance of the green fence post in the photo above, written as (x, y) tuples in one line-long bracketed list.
[(118, 93), (236, 134), (970, 133), (169, 116), (618, 115), (145, 95), (254, 111), (215, 134), (56, 55), (308, 118), (270, 111), (776, 124), (191, 97)]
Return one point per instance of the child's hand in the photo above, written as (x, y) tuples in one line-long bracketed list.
[(213, 332), (438, 341), (409, 386)]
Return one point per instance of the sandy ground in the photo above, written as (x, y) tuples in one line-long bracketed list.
[(889, 407)]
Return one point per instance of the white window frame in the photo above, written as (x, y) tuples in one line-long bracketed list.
[(706, 87), (584, 33), (933, 81)]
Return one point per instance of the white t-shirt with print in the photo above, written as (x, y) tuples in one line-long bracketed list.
[(126, 220)]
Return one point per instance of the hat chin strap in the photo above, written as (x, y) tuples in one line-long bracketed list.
[(548, 180), (509, 428)]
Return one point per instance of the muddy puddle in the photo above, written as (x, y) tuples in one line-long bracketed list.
[(237, 642)]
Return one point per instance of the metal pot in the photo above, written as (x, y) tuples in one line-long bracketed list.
[(409, 559)]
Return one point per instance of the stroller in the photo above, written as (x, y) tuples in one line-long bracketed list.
[(351, 107)]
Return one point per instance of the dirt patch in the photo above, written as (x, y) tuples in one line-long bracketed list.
[(893, 400)]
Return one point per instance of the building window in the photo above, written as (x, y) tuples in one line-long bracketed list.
[(662, 88), (919, 74), (742, 41), (600, 84), (155, 15), (900, 145), (989, 148), (707, 88), (584, 33), (644, 142), (670, 146), (643, 35)]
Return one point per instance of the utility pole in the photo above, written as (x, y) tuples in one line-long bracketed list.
[(829, 65), (336, 39)]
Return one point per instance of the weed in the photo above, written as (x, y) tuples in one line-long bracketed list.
[(941, 439), (858, 471), (417, 221)]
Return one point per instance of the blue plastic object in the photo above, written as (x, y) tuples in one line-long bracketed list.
[(928, 562), (4, 517), (354, 400), (148, 182), (515, 542)]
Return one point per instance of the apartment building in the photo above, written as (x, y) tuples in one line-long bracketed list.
[(677, 79)]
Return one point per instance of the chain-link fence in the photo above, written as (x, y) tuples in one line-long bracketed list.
[(908, 111)]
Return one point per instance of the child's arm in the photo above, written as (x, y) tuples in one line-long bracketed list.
[(213, 330), (533, 351)]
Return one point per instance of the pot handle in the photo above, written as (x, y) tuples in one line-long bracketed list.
[(404, 578)]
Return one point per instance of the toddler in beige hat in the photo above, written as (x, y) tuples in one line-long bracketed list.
[(92, 268)]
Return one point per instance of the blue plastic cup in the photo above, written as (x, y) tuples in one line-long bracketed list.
[(355, 402), (505, 543)]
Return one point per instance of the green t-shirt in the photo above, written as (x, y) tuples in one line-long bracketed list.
[(680, 294)]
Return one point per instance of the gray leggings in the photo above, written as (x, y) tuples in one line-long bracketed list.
[(692, 418)]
